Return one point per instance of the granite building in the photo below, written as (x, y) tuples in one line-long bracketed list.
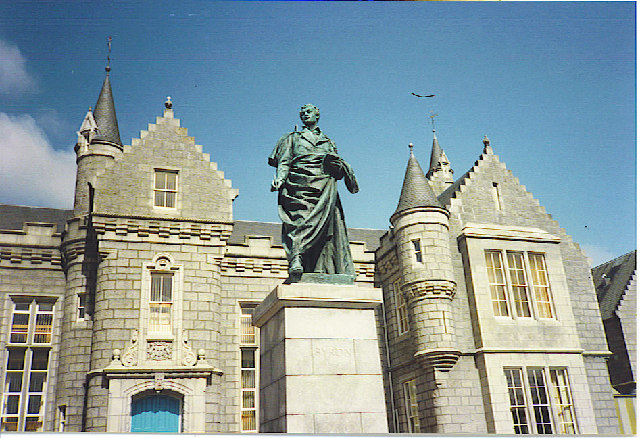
[(617, 291), (133, 311)]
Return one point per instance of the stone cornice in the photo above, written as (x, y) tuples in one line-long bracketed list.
[(502, 232), (180, 231)]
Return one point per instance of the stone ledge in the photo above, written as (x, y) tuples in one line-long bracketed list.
[(494, 231), (316, 295)]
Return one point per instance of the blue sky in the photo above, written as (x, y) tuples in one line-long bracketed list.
[(551, 84)]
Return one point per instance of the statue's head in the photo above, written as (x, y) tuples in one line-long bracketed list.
[(309, 114)]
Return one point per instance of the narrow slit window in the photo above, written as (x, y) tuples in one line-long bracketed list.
[(411, 405), (497, 197), (402, 312), (417, 250)]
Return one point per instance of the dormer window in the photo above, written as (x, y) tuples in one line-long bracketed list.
[(165, 188)]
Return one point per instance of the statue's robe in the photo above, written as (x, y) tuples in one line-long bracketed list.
[(308, 203)]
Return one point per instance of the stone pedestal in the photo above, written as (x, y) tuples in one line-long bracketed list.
[(320, 361)]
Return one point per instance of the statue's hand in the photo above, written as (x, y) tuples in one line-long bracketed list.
[(333, 166), (276, 184)]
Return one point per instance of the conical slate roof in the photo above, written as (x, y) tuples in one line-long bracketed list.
[(105, 116), (416, 191), (436, 153)]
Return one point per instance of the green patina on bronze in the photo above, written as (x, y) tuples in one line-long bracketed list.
[(314, 233)]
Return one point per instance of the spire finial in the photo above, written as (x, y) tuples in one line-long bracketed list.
[(168, 104), (108, 67), (411, 148), (486, 141)]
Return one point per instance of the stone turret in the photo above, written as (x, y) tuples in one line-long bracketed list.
[(440, 174), (98, 145), (421, 231)]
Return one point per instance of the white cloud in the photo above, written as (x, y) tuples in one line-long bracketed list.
[(13, 73), (597, 255), (31, 171)]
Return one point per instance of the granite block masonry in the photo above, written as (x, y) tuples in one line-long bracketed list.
[(320, 361)]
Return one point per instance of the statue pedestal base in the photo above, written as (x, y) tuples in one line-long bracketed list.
[(319, 360)]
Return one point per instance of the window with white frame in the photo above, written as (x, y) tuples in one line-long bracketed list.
[(160, 302), (165, 188), (249, 355), (411, 406), (82, 306), (518, 283), (417, 250), (27, 363), (402, 312), (541, 402)]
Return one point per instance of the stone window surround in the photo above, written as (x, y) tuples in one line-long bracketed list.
[(496, 396), (152, 186), (29, 345), (511, 299), (161, 263), (550, 397), (475, 239)]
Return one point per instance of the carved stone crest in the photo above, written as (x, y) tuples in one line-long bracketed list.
[(159, 350)]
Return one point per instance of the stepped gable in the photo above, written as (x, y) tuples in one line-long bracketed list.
[(416, 191), (471, 196), (126, 188), (13, 217), (611, 280)]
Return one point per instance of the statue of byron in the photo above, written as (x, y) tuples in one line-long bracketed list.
[(314, 233)]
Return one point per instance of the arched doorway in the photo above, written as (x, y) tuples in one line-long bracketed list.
[(156, 412)]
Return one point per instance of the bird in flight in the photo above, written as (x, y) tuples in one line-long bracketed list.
[(423, 95)]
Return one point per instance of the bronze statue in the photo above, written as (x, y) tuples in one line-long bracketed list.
[(314, 233)]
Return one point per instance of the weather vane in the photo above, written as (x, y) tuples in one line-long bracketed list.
[(433, 116)]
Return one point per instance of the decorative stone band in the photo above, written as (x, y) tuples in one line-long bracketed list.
[(429, 289), (33, 255), (166, 229), (439, 358), (243, 267)]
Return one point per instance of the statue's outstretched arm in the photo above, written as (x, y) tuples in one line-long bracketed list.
[(281, 159)]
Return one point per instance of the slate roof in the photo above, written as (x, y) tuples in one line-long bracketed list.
[(436, 153), (416, 191), (13, 217), (105, 115), (610, 288), (370, 237)]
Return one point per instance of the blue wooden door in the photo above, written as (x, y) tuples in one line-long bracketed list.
[(155, 413)]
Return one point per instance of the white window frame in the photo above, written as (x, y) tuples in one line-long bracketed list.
[(25, 392), (557, 405), (533, 304), (412, 411), (164, 190), (402, 309), (162, 263), (417, 250), (249, 344), (156, 324)]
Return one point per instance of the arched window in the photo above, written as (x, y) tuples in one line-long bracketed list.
[(156, 412)]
